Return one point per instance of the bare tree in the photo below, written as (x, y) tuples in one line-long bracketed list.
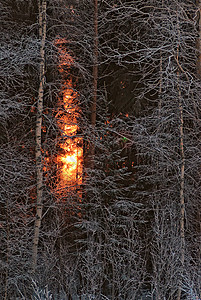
[(39, 164), (95, 77)]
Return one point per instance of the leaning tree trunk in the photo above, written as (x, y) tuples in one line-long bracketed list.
[(39, 168), (95, 82)]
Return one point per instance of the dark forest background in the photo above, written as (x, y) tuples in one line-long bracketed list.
[(135, 234)]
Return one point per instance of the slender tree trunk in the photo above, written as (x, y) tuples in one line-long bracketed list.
[(160, 84), (182, 173), (158, 296), (199, 40), (199, 72), (158, 292), (39, 167), (198, 2), (95, 80), (7, 251)]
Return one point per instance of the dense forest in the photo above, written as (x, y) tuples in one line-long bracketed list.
[(100, 153)]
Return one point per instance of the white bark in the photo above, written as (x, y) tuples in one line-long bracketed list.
[(39, 166)]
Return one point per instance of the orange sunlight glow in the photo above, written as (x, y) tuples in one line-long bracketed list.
[(70, 158)]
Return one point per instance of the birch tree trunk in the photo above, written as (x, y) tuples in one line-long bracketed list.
[(95, 80), (39, 167)]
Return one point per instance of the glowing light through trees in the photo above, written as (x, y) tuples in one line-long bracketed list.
[(70, 158)]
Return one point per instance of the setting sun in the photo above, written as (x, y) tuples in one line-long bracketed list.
[(70, 158)]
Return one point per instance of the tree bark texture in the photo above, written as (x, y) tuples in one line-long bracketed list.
[(39, 165), (7, 252), (199, 40), (182, 173), (95, 80)]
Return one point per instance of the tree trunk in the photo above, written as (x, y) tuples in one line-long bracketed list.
[(95, 81), (182, 173), (39, 166), (7, 251), (199, 40), (160, 84)]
